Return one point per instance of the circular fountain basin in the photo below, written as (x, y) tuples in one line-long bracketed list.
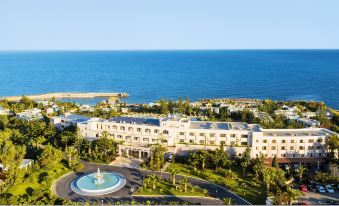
[(88, 185)]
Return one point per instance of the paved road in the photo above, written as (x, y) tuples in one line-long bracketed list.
[(313, 198), (134, 179), (213, 189)]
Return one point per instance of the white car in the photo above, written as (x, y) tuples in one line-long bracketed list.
[(320, 189), (329, 188)]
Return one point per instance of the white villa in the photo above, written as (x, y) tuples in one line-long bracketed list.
[(30, 114), (183, 134)]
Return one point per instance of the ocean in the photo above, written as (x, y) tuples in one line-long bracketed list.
[(151, 75)]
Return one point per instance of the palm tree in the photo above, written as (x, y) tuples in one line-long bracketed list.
[(301, 171), (153, 180), (185, 183), (293, 194), (268, 177), (174, 172), (202, 158)]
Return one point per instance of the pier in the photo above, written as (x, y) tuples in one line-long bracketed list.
[(67, 95)]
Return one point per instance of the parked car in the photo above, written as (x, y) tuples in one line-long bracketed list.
[(320, 189), (329, 189), (303, 188), (312, 188)]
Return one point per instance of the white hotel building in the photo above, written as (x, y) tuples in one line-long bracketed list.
[(182, 135)]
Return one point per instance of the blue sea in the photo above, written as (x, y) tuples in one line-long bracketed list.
[(151, 75)]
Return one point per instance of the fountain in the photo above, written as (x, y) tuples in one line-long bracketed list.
[(99, 180), (98, 183)]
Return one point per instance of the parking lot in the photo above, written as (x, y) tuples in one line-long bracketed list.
[(316, 198)]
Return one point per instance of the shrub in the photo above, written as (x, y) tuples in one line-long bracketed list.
[(78, 167)]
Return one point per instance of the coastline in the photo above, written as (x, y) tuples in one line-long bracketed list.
[(67, 95)]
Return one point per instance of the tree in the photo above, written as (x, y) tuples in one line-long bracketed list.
[(258, 165), (332, 145), (202, 157), (268, 177), (301, 171), (153, 179), (274, 161), (293, 194), (185, 183), (174, 172), (49, 157)]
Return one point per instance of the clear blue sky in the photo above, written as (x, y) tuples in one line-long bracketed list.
[(168, 24)]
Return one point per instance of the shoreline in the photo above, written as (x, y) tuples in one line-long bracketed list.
[(59, 95)]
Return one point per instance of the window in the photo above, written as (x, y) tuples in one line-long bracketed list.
[(165, 132), (191, 141), (148, 130), (320, 140), (274, 141), (212, 142), (130, 128), (311, 141), (310, 147), (115, 127), (191, 134), (244, 136), (201, 134), (182, 133), (264, 141), (273, 148), (257, 141), (232, 143), (283, 148), (223, 142), (291, 148), (243, 143), (156, 131), (201, 141), (136, 138), (122, 128), (128, 137), (232, 135), (264, 148), (301, 141), (138, 129), (182, 141), (212, 135), (222, 135), (119, 136), (301, 147), (145, 139), (283, 141), (292, 140)]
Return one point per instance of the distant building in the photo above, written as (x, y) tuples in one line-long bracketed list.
[(63, 121), (306, 122), (30, 115), (25, 164), (309, 114), (4, 111)]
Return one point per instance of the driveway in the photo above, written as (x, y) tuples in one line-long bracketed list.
[(313, 198), (133, 179)]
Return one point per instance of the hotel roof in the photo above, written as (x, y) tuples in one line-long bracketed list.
[(136, 120)]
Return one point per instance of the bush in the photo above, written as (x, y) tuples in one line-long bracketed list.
[(78, 167)]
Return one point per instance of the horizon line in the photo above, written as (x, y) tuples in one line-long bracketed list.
[(246, 49)]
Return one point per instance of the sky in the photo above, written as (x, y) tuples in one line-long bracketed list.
[(168, 24)]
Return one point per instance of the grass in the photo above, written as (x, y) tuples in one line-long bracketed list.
[(39, 179), (247, 187), (165, 188)]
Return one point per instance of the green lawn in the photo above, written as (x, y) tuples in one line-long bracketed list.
[(39, 179), (248, 188), (165, 188)]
